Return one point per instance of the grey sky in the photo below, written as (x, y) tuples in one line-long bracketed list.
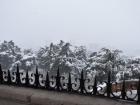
[(32, 23)]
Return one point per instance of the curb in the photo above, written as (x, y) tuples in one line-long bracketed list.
[(44, 97), (15, 93)]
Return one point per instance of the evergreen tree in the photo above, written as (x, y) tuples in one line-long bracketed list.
[(9, 53)]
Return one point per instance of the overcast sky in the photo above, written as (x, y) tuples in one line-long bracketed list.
[(96, 23)]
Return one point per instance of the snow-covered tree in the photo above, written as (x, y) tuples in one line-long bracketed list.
[(134, 65), (47, 55), (27, 61), (103, 61), (64, 58), (70, 58), (63, 55), (9, 53)]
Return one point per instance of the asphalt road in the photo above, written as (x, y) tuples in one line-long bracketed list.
[(9, 102)]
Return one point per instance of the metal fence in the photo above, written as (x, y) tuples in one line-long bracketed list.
[(82, 85)]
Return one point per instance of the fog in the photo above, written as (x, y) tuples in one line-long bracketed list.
[(94, 23)]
